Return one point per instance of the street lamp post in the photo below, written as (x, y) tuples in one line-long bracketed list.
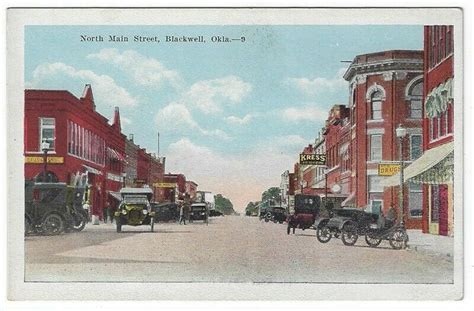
[(401, 132), (45, 148)]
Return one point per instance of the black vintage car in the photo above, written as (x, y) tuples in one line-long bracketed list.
[(278, 214), (199, 211), (52, 208), (135, 208), (350, 223), (165, 212), (345, 223), (307, 209)]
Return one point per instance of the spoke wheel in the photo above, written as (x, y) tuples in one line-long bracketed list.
[(349, 235), (372, 241), (53, 224), (79, 222), (399, 239), (323, 234)]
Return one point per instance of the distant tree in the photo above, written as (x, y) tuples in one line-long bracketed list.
[(223, 205), (271, 194)]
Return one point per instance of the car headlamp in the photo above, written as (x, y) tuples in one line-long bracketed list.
[(124, 211), (145, 212)]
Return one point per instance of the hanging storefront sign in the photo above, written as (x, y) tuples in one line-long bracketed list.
[(40, 160), (312, 159), (388, 169), (164, 185)]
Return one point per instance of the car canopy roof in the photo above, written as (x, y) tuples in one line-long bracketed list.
[(145, 191)]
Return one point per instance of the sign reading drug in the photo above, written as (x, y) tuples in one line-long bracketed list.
[(312, 159), (388, 169)]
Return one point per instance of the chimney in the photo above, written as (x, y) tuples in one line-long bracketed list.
[(130, 137), (116, 123), (87, 97)]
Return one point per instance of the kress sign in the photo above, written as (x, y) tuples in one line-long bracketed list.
[(312, 159)]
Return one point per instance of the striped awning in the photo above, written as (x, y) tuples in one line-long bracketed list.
[(435, 166), (113, 154)]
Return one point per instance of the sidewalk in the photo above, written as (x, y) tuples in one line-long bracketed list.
[(430, 244)]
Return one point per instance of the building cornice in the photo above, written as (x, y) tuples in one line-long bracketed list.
[(383, 66)]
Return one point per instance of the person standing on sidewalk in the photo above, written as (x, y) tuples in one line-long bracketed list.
[(182, 217)]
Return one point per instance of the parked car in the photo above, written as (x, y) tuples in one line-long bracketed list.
[(278, 214), (135, 208), (307, 208), (199, 211), (166, 211), (345, 223), (50, 208)]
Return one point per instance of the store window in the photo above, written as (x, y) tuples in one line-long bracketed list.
[(47, 132), (375, 184), (415, 199), (375, 147), (376, 106), (415, 147)]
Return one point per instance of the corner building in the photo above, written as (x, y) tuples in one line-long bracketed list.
[(386, 89)]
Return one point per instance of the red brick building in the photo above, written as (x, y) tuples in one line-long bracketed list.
[(438, 131), (191, 188), (81, 142), (386, 90), (337, 138), (178, 190)]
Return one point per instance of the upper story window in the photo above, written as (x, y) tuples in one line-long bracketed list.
[(376, 105), (375, 147), (353, 107), (47, 132), (440, 43), (416, 101)]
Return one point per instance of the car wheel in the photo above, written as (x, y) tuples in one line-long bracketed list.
[(323, 234), (371, 240), (119, 225), (349, 235), (79, 222), (399, 239), (53, 224)]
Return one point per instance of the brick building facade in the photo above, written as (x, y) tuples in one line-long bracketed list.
[(386, 91)]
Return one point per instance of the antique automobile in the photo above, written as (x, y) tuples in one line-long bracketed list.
[(165, 212), (215, 213), (307, 208), (199, 211), (278, 214), (346, 223), (135, 208), (51, 208), (387, 228)]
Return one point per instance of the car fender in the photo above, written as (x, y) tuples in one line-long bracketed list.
[(320, 222)]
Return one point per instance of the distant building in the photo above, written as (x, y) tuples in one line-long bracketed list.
[(191, 188), (386, 90)]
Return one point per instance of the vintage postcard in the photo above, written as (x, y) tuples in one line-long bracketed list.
[(239, 154)]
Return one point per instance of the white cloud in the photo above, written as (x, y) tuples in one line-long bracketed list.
[(240, 177), (209, 95), (319, 85), (236, 120), (177, 117), (106, 91), (304, 113), (144, 70)]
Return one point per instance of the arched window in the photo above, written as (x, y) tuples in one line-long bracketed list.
[(376, 105), (416, 103)]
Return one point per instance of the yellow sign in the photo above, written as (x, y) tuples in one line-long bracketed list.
[(388, 169), (164, 185), (40, 160)]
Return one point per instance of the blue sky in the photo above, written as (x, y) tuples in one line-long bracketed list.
[(231, 116)]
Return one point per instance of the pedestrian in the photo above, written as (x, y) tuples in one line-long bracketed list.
[(105, 211), (182, 218)]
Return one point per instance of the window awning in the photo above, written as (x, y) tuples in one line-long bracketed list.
[(113, 154), (115, 195), (435, 166), (350, 199), (92, 170), (438, 99)]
